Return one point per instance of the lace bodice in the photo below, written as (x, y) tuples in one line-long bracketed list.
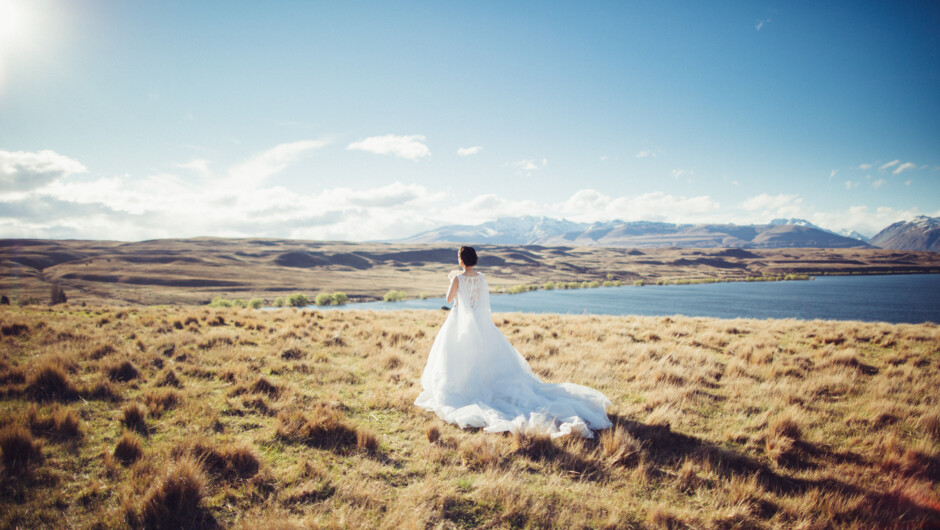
[(474, 284)]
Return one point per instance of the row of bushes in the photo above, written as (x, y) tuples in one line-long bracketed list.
[(695, 281), (548, 286), (254, 303), (395, 296), (301, 300), (294, 300)]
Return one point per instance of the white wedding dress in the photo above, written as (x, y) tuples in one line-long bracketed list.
[(475, 378)]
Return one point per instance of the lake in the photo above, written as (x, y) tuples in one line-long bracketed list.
[(910, 298)]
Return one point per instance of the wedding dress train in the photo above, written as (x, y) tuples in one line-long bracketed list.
[(474, 377)]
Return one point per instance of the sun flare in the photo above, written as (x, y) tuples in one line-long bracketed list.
[(15, 22)]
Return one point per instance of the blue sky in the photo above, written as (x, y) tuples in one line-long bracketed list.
[(376, 120)]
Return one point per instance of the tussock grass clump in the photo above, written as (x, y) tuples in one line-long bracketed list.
[(10, 376), (293, 353), (392, 361), (785, 425), (60, 423), (432, 432), (175, 500), (104, 390), (20, 451), (101, 352), (367, 441), (266, 387), (122, 371), (479, 453), (128, 449), (48, 382), (534, 445), (323, 426), (169, 378), (228, 461), (159, 401), (135, 417), (619, 447), (14, 330), (930, 422), (335, 341)]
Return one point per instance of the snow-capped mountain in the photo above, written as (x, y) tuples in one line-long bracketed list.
[(526, 230), (920, 233), (780, 233), (796, 222), (803, 222), (853, 234)]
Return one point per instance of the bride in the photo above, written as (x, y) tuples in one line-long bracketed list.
[(475, 378)]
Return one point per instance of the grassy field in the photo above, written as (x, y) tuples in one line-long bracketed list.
[(203, 417)]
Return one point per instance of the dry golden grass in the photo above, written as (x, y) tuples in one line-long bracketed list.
[(199, 417)]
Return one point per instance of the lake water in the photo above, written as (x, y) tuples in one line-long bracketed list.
[(911, 298)]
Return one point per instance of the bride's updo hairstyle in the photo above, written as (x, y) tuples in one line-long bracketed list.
[(468, 256)]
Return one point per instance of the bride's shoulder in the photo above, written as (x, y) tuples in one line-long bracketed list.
[(453, 274)]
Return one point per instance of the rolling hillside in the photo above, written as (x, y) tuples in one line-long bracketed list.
[(193, 271)]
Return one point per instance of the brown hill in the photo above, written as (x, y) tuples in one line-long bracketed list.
[(193, 271)]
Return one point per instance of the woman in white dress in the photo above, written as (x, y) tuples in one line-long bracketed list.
[(475, 378)]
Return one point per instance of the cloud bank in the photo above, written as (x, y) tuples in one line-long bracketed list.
[(47, 195), (23, 171)]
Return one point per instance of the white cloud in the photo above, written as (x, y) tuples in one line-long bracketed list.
[(771, 203), (676, 173), (903, 167), (850, 184), (760, 23), (863, 219), (647, 153), (23, 171), (529, 165), (907, 182), (865, 167), (408, 147), (590, 205), (259, 168), (890, 164), (198, 166), (487, 207), (467, 151), (833, 173), (394, 194), (878, 183)]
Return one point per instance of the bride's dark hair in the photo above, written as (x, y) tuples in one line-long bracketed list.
[(468, 256)]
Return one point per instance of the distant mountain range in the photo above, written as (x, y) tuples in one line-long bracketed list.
[(920, 233), (779, 233)]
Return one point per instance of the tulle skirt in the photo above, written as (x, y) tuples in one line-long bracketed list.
[(475, 378)]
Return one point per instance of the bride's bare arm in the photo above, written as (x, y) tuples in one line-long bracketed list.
[(452, 292)]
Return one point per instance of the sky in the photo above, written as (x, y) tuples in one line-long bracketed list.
[(367, 120)]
